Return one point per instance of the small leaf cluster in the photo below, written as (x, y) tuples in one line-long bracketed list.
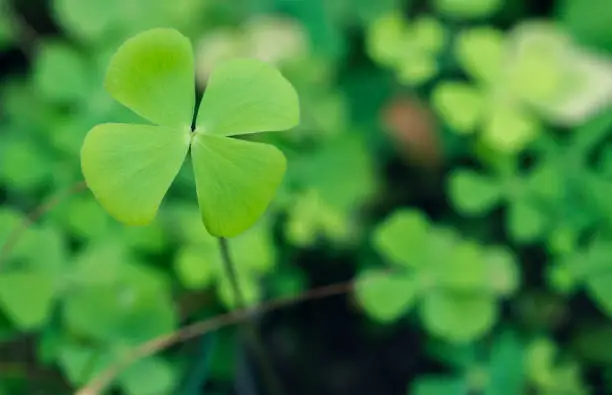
[(446, 277)]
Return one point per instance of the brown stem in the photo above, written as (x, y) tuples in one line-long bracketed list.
[(100, 382)]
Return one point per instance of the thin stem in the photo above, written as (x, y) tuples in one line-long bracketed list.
[(102, 380), (230, 269), (250, 331)]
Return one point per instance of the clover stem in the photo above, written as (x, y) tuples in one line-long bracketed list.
[(250, 331)]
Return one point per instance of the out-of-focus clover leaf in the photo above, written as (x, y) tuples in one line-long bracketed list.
[(148, 158), (447, 277), (488, 105), (81, 363), (60, 72), (474, 193), (385, 297), (536, 71), (149, 376), (547, 375), (467, 9), (480, 51), (31, 282), (411, 49), (526, 221), (444, 315), (330, 184), (564, 83), (127, 312), (273, 39), (586, 268), (27, 298), (500, 372), (24, 165), (100, 25), (460, 104)]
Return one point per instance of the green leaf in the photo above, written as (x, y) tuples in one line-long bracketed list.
[(506, 367), (466, 271), (129, 168), (503, 272), (149, 376), (510, 128), (81, 363), (429, 34), (386, 37), (341, 173), (153, 74), (402, 238), (60, 72), (196, 266), (460, 104), (27, 298), (247, 96), (122, 314), (473, 193), (386, 297), (526, 222), (480, 52), (458, 318), (87, 19), (417, 70), (467, 9), (10, 220), (235, 181)]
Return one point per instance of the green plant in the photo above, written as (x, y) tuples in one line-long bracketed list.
[(447, 277), (129, 168), (410, 50)]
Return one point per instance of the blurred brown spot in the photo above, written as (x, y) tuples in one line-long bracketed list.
[(413, 128)]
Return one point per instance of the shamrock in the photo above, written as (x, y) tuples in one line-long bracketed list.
[(445, 276), (130, 167)]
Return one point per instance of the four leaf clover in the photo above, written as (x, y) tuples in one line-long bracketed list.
[(130, 167)]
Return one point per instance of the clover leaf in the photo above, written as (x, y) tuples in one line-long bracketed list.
[(129, 167), (31, 278), (500, 370), (490, 104), (411, 50), (528, 216), (586, 268), (447, 277), (147, 376), (331, 183)]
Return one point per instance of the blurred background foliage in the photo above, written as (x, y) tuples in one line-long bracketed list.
[(453, 160)]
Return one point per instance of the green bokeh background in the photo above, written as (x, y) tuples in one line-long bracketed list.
[(453, 162)]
